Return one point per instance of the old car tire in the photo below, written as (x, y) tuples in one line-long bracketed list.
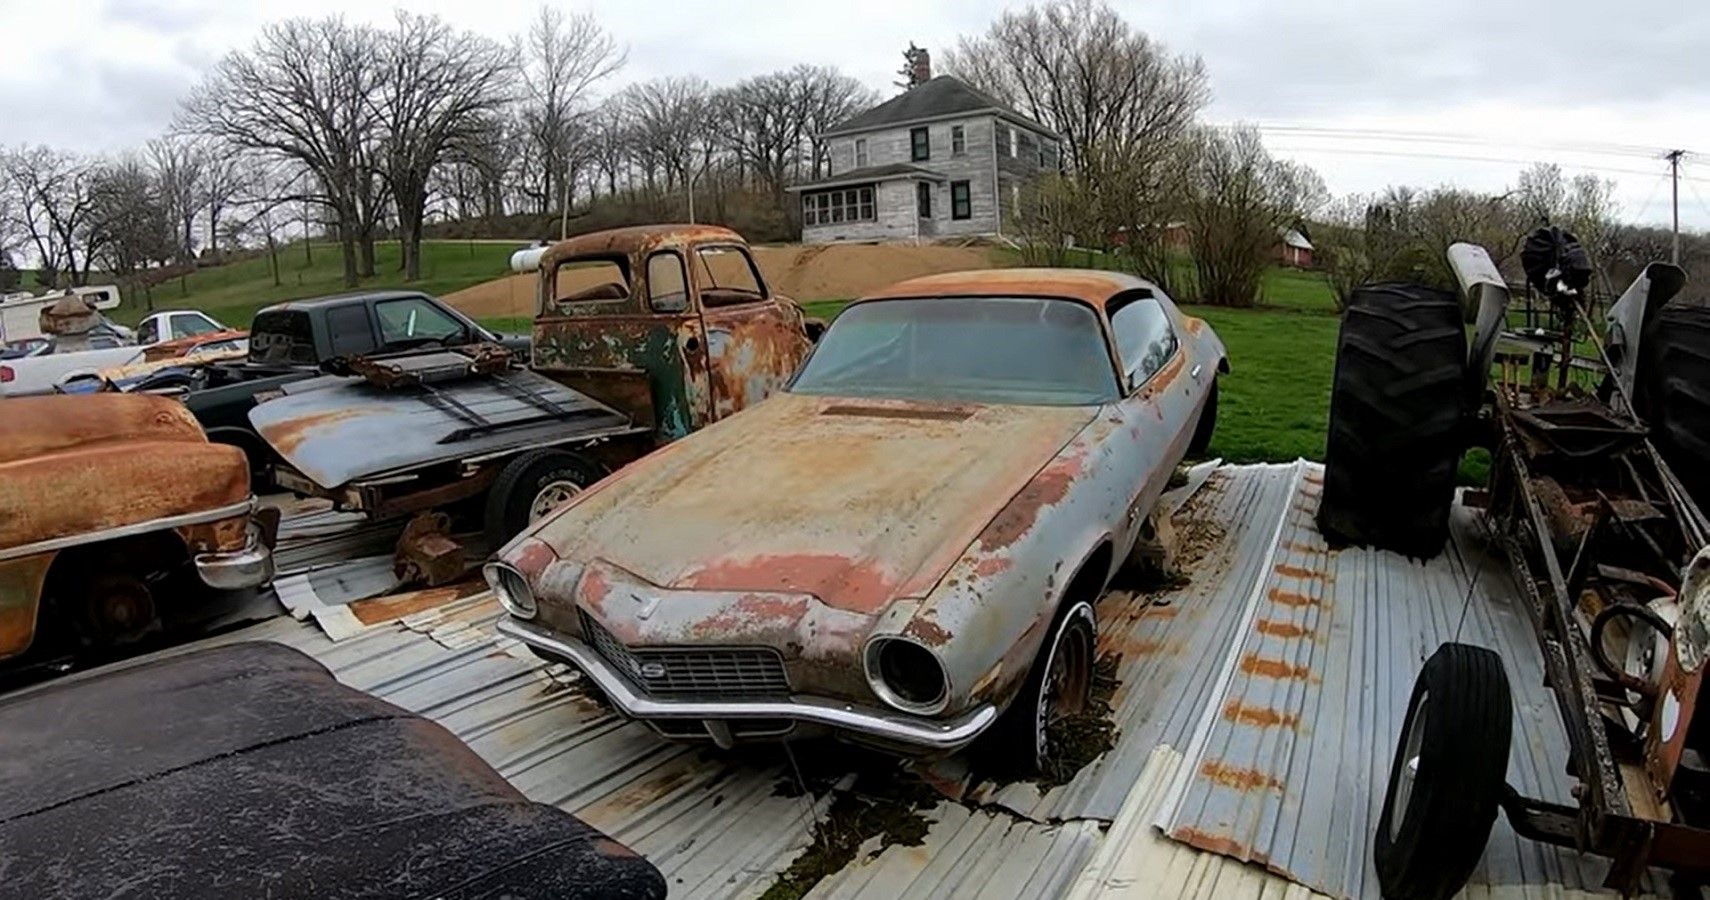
[(1020, 741), (1673, 393), (1397, 414), (1206, 426), (1448, 777), (113, 608), (523, 483)]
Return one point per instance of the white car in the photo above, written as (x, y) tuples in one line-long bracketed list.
[(48, 371)]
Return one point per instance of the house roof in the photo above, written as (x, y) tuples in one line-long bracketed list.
[(1293, 238), (938, 98), (888, 172)]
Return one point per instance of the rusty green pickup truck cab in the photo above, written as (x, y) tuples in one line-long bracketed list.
[(116, 517)]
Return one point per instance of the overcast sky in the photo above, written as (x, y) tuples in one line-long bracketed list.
[(1538, 81)]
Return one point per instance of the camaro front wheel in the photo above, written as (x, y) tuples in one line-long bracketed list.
[(1028, 738)]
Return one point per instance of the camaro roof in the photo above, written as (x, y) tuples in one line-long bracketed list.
[(1093, 286)]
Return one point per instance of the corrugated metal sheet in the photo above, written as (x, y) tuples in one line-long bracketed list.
[(1287, 762), (717, 826)]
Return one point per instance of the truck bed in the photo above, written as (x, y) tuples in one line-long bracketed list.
[(1249, 759)]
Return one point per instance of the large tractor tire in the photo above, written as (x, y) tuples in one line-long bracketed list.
[(1397, 412), (1673, 393)]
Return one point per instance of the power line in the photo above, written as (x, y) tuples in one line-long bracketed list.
[(1419, 154), (1603, 148)]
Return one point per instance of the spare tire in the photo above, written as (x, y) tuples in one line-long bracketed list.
[(1672, 393), (1397, 406)]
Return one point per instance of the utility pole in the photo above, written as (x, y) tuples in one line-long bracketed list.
[(1674, 176)]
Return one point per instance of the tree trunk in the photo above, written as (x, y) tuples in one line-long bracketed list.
[(365, 246)]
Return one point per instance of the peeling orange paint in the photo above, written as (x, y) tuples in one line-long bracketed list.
[(928, 631), (752, 611), (842, 583)]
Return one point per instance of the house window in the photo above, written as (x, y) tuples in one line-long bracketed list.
[(860, 153), (958, 141), (1009, 150), (961, 207), (835, 207), (1047, 155), (923, 199), (920, 144)]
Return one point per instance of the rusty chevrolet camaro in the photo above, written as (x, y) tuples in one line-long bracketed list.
[(903, 547)]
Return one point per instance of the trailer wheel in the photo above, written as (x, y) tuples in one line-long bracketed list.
[(1451, 763), (1673, 392), (1397, 409), (531, 486), (1206, 426)]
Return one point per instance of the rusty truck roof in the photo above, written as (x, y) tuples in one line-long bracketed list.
[(635, 238), (1092, 286)]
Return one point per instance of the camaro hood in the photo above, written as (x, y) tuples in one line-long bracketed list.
[(857, 502)]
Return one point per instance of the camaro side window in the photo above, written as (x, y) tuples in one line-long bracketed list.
[(1144, 338)]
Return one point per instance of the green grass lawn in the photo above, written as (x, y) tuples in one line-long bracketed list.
[(233, 292)]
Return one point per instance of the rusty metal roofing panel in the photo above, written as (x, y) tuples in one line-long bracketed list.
[(1286, 763)]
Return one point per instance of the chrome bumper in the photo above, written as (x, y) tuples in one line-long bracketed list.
[(892, 727), (250, 567)]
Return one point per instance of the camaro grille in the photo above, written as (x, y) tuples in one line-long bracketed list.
[(693, 671)]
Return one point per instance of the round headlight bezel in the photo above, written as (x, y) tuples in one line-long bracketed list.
[(882, 659), (509, 584)]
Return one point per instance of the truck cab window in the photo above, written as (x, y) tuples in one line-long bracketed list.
[(148, 332), (667, 283), (348, 332), (728, 276), (191, 324), (414, 320), (590, 281)]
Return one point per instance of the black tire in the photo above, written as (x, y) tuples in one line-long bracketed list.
[(1461, 716), (1206, 426), (1019, 743), (522, 480), (1673, 393), (1398, 406)]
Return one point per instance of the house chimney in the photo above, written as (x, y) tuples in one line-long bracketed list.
[(922, 67)]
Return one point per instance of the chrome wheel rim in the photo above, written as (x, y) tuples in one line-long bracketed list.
[(1068, 680), (548, 498), (1412, 742)]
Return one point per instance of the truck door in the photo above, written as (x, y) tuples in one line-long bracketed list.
[(631, 340), (754, 343)]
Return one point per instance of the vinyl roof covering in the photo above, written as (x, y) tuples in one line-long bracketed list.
[(720, 825)]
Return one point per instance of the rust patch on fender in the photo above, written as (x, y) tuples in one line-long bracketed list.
[(1050, 486), (928, 632), (1265, 667), (1259, 716), (595, 588), (1239, 778)]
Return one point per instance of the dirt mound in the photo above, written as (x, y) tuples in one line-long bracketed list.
[(817, 272)]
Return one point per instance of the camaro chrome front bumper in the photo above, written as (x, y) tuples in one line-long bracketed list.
[(891, 727)]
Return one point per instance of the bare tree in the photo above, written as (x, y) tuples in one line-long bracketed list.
[(674, 122), (179, 172), (52, 198), (439, 87), (1078, 67), (563, 59), (132, 220), (223, 180), (1239, 199), (830, 98), (304, 92)]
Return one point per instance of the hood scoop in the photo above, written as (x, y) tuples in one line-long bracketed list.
[(897, 412)]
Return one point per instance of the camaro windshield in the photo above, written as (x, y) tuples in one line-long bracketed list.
[(1016, 350)]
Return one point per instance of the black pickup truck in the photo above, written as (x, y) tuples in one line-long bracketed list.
[(290, 342)]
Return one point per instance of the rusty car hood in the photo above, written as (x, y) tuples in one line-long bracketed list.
[(857, 502)]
